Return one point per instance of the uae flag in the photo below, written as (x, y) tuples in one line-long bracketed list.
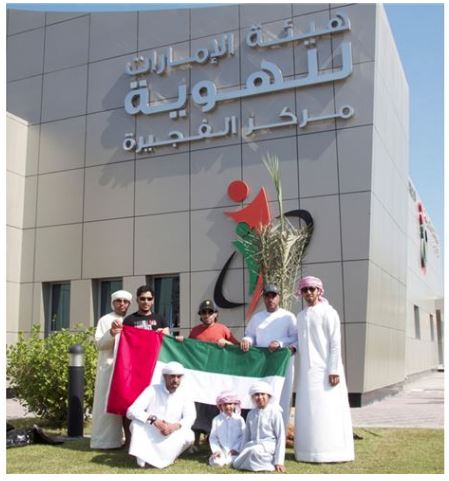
[(210, 369)]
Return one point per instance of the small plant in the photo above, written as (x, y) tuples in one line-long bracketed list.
[(37, 370), (277, 249)]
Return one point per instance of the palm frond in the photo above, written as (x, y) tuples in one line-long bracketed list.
[(278, 248)]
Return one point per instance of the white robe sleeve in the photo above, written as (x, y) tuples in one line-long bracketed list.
[(250, 332), (138, 409), (188, 414), (103, 338), (214, 443), (246, 437), (239, 435), (334, 333), (279, 431)]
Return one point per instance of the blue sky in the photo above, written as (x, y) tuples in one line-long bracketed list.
[(419, 33)]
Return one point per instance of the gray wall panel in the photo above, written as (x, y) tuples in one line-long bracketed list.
[(23, 99), (64, 94), (162, 184), (62, 145), (66, 44), (21, 20), (25, 54), (112, 34)]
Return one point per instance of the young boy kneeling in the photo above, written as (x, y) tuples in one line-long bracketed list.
[(227, 430), (263, 443)]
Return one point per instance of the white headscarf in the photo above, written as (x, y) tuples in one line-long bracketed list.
[(260, 386), (120, 295), (173, 368)]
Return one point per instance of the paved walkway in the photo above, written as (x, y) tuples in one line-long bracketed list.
[(14, 410), (419, 405)]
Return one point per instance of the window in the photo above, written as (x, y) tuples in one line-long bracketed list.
[(105, 287), (57, 306), (440, 336), (432, 328), (417, 323), (166, 292)]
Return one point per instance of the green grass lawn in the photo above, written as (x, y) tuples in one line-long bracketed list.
[(380, 451)]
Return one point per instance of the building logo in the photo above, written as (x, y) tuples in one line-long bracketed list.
[(250, 219), (422, 236)]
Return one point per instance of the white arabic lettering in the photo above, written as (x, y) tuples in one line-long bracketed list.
[(270, 79), (159, 62), (176, 137), (254, 38), (138, 100), (345, 112)]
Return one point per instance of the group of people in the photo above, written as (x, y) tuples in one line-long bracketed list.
[(163, 421)]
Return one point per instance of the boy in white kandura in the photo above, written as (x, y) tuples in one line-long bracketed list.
[(263, 444), (227, 430)]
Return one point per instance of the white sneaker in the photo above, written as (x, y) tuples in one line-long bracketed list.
[(140, 462)]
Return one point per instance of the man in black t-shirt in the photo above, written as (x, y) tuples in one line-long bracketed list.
[(144, 318)]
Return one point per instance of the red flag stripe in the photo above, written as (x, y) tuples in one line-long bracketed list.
[(132, 374)]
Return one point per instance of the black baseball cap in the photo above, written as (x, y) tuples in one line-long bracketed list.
[(207, 304), (271, 288)]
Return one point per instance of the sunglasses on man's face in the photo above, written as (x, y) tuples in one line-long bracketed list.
[(206, 311), (308, 289), (145, 299)]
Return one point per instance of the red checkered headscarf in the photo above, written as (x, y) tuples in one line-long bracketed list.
[(310, 281), (227, 397)]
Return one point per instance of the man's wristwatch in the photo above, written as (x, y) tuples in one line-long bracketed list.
[(152, 419)]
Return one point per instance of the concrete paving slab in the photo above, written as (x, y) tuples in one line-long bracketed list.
[(419, 405)]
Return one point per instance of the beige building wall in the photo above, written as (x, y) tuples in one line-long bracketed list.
[(81, 208), (424, 293), (17, 131), (387, 267)]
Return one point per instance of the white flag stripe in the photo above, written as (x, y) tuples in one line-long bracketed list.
[(205, 386)]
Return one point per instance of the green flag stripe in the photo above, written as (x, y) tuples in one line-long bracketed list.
[(206, 356)]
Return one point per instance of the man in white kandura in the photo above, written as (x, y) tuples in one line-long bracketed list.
[(274, 328), (162, 417), (323, 427), (107, 428)]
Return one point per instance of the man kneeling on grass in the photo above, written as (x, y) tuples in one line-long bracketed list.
[(162, 417), (263, 443)]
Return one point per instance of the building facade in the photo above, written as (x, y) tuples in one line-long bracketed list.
[(125, 130)]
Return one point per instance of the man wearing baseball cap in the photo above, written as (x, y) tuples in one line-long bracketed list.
[(209, 330), (274, 328)]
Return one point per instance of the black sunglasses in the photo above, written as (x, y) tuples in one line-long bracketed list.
[(306, 289)]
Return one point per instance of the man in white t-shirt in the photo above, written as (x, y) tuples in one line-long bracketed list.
[(274, 328)]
